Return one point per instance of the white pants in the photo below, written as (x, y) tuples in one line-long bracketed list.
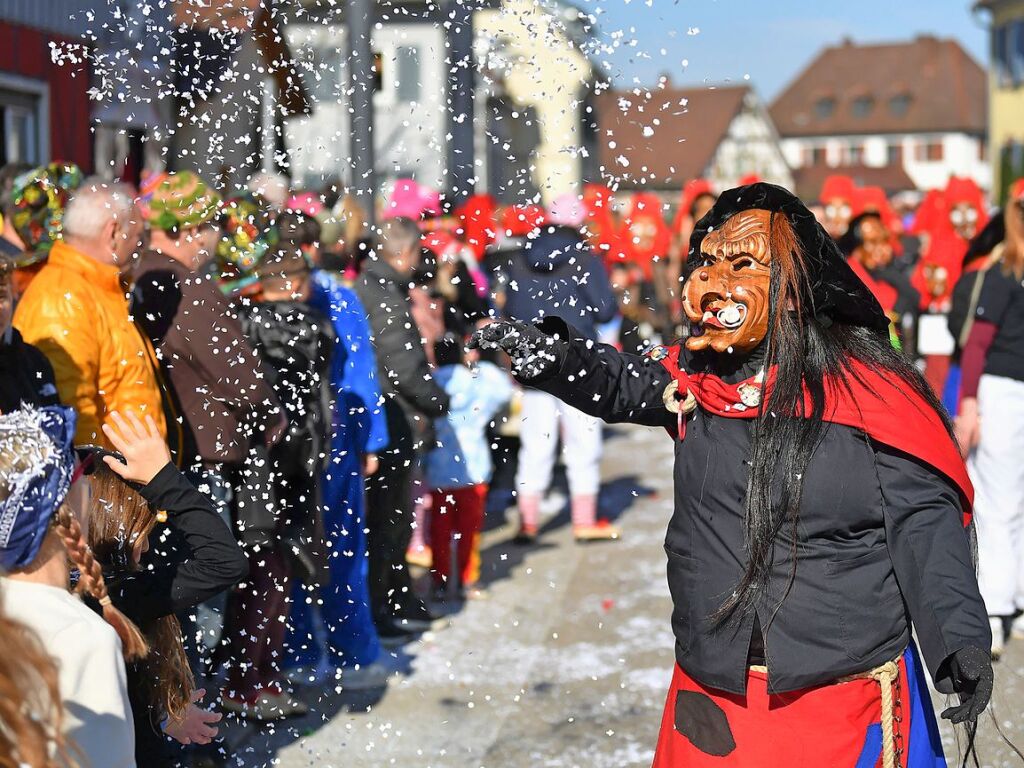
[(996, 468), (542, 416)]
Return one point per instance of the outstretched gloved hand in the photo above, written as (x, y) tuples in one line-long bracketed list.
[(532, 351), (971, 671)]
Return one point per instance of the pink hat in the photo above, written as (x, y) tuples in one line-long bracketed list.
[(304, 202), (567, 211), (411, 200)]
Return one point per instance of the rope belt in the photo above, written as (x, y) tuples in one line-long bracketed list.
[(887, 676)]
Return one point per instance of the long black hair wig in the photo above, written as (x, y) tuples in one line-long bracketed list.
[(821, 319)]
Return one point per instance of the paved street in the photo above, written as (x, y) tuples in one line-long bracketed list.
[(565, 664)]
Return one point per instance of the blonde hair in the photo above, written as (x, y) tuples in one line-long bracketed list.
[(119, 517), (30, 706)]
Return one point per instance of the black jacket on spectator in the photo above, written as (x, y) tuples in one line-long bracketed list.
[(199, 559), (409, 389), (295, 342), (881, 541), (27, 376)]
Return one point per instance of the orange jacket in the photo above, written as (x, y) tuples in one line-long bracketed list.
[(76, 312)]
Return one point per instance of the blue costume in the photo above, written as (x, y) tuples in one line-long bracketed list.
[(358, 428)]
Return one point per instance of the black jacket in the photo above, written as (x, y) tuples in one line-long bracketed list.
[(405, 377), (880, 542), (26, 376), (200, 560), (295, 342)]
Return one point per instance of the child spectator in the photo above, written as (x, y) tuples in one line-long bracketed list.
[(459, 468), (127, 490), (43, 512)]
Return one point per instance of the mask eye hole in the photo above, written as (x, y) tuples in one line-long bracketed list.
[(739, 264)]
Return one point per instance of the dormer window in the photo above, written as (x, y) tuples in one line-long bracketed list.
[(824, 107), (862, 106), (899, 104)]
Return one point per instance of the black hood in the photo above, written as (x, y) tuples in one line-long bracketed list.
[(834, 291)]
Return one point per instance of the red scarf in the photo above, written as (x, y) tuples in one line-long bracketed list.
[(878, 406)]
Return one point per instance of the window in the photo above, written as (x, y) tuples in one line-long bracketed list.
[(824, 107), (22, 121), (855, 154), (930, 151), (899, 104), (894, 154), (407, 74), (1015, 44), (862, 106), (1000, 54), (819, 157)]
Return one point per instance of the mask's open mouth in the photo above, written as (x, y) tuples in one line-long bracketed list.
[(728, 318)]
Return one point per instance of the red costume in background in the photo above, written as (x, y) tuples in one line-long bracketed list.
[(644, 234)]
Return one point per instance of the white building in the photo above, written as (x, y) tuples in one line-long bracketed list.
[(915, 108)]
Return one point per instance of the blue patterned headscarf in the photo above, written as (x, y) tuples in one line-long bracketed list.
[(35, 483)]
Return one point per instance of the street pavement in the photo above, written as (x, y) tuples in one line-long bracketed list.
[(565, 664)]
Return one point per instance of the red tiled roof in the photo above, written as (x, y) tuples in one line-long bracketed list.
[(672, 132), (892, 178), (941, 86)]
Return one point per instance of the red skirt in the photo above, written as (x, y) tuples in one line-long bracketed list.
[(827, 726)]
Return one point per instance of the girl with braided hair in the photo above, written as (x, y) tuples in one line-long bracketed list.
[(42, 512)]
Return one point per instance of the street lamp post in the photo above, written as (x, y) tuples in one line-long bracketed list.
[(361, 80)]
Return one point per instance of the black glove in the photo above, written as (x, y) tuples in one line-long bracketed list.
[(971, 671), (532, 351)]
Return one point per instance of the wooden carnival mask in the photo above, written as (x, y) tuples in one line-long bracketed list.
[(726, 297)]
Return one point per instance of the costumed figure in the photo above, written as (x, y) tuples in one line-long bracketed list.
[(837, 194), (868, 247), (40, 196), (953, 221), (697, 199), (820, 503), (358, 432), (601, 225)]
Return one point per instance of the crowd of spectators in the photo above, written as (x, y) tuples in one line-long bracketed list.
[(243, 419)]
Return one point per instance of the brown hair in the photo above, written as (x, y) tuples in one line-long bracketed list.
[(1012, 259), (120, 517), (30, 705)]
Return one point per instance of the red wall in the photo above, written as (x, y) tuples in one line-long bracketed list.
[(26, 51)]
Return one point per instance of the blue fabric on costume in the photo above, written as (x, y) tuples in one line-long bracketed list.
[(951, 390), (925, 747), (35, 492), (872, 747), (359, 427)]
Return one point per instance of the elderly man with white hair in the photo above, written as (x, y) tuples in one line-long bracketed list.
[(76, 311)]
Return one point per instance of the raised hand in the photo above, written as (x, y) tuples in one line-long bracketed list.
[(144, 450)]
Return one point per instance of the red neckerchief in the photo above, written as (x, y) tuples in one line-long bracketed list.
[(872, 403)]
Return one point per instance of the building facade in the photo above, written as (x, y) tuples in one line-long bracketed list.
[(917, 105), (44, 106), (1005, 19), (658, 139)]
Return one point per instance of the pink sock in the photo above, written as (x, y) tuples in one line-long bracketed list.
[(529, 510), (584, 511)]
